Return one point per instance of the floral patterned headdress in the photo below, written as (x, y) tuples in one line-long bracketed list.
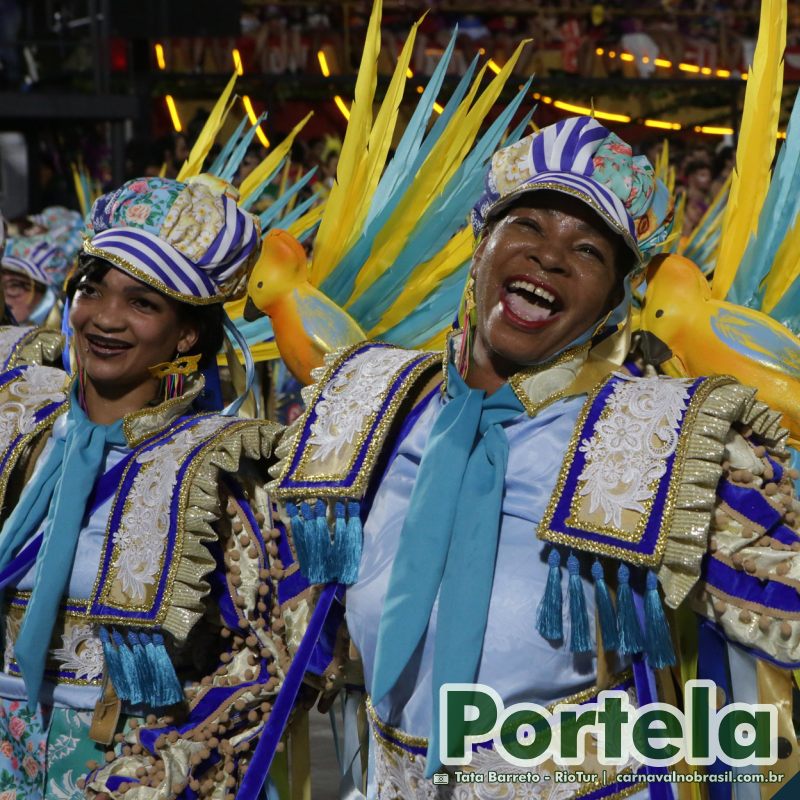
[(582, 158), (187, 239), (37, 257)]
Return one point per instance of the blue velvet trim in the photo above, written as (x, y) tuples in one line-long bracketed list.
[(773, 595), (257, 770)]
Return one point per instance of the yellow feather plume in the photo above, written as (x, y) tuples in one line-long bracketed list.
[(380, 138), (785, 269), (270, 163), (82, 199), (344, 199), (194, 164), (440, 165), (308, 220), (756, 148), (425, 278)]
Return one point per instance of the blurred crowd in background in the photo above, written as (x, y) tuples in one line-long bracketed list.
[(594, 44)]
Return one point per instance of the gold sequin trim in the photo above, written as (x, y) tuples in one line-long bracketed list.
[(162, 287)]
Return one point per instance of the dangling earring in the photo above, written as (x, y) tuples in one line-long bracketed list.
[(467, 318), (172, 373)]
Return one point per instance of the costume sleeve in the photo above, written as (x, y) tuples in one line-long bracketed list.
[(235, 663), (750, 578)]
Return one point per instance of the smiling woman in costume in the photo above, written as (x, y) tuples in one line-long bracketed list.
[(139, 517), (535, 517)]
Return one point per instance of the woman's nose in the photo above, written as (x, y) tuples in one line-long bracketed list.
[(109, 314), (550, 257)]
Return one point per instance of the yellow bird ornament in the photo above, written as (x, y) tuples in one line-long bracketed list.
[(706, 336), (305, 322)]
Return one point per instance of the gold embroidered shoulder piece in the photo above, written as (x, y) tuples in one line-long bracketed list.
[(638, 482)]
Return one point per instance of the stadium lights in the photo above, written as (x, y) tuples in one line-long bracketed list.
[(173, 112), (323, 64)]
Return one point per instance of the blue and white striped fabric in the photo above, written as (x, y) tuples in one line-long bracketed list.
[(591, 192), (568, 146), (31, 263), (152, 260), (189, 241), (582, 158)]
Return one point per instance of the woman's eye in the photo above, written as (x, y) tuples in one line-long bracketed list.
[(143, 304), (87, 290), (591, 251), (525, 222)]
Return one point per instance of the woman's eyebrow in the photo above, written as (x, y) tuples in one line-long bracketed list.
[(140, 290)]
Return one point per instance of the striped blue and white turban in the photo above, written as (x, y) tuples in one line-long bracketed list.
[(36, 257), (189, 240), (582, 158)]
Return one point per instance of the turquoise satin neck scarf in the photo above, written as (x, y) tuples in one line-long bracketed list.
[(448, 545), (57, 495)]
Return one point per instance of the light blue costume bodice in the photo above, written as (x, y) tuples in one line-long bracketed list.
[(516, 661)]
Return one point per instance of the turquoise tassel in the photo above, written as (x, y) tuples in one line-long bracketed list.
[(113, 666), (341, 524), (548, 615), (298, 536), (605, 608), (657, 637), (127, 667), (143, 671), (170, 690), (630, 632), (351, 548), (346, 549), (322, 521), (315, 547), (335, 555), (579, 641)]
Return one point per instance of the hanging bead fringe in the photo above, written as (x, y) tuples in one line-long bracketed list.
[(548, 616), (657, 636), (605, 608), (628, 628), (579, 639)]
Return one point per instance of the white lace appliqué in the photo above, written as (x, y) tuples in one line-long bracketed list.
[(81, 652), (35, 388), (626, 455), (142, 534), (355, 393)]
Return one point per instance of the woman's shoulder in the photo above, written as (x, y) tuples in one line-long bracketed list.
[(351, 410), (28, 344)]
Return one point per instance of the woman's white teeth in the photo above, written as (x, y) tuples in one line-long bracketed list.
[(533, 289)]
